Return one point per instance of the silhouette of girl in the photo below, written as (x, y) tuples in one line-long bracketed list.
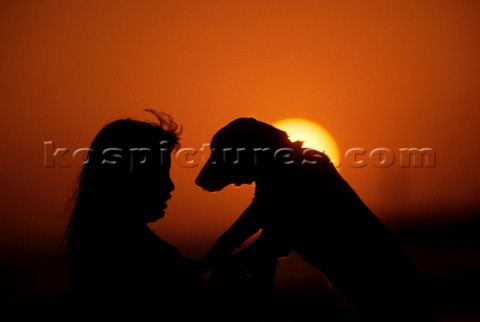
[(117, 265)]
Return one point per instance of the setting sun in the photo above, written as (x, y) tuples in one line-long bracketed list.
[(313, 136)]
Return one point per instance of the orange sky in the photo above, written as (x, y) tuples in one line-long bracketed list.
[(374, 74)]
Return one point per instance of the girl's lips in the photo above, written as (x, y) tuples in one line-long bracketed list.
[(165, 198)]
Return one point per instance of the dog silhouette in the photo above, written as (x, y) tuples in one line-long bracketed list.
[(303, 204)]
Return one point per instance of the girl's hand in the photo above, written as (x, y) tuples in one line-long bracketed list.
[(198, 266)]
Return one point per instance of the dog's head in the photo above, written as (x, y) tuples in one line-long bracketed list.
[(238, 150)]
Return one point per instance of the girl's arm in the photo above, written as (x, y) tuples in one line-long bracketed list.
[(243, 228)]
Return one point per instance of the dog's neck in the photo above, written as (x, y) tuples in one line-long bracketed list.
[(285, 165)]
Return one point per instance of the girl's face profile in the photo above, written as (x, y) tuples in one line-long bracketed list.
[(156, 191)]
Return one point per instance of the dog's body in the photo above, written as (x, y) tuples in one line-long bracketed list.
[(302, 204)]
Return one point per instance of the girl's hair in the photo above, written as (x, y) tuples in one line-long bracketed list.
[(121, 157)]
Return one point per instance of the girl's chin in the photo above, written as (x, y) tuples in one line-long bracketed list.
[(159, 214)]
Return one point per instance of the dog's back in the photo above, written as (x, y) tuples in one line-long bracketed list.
[(332, 229)]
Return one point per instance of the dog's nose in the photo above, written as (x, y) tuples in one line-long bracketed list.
[(199, 181)]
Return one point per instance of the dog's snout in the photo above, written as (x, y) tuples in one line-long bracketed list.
[(210, 179), (202, 180), (199, 181)]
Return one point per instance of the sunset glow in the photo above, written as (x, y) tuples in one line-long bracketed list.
[(387, 89), (313, 136)]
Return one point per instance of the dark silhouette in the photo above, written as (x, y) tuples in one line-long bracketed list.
[(242, 284), (302, 203), (117, 265)]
